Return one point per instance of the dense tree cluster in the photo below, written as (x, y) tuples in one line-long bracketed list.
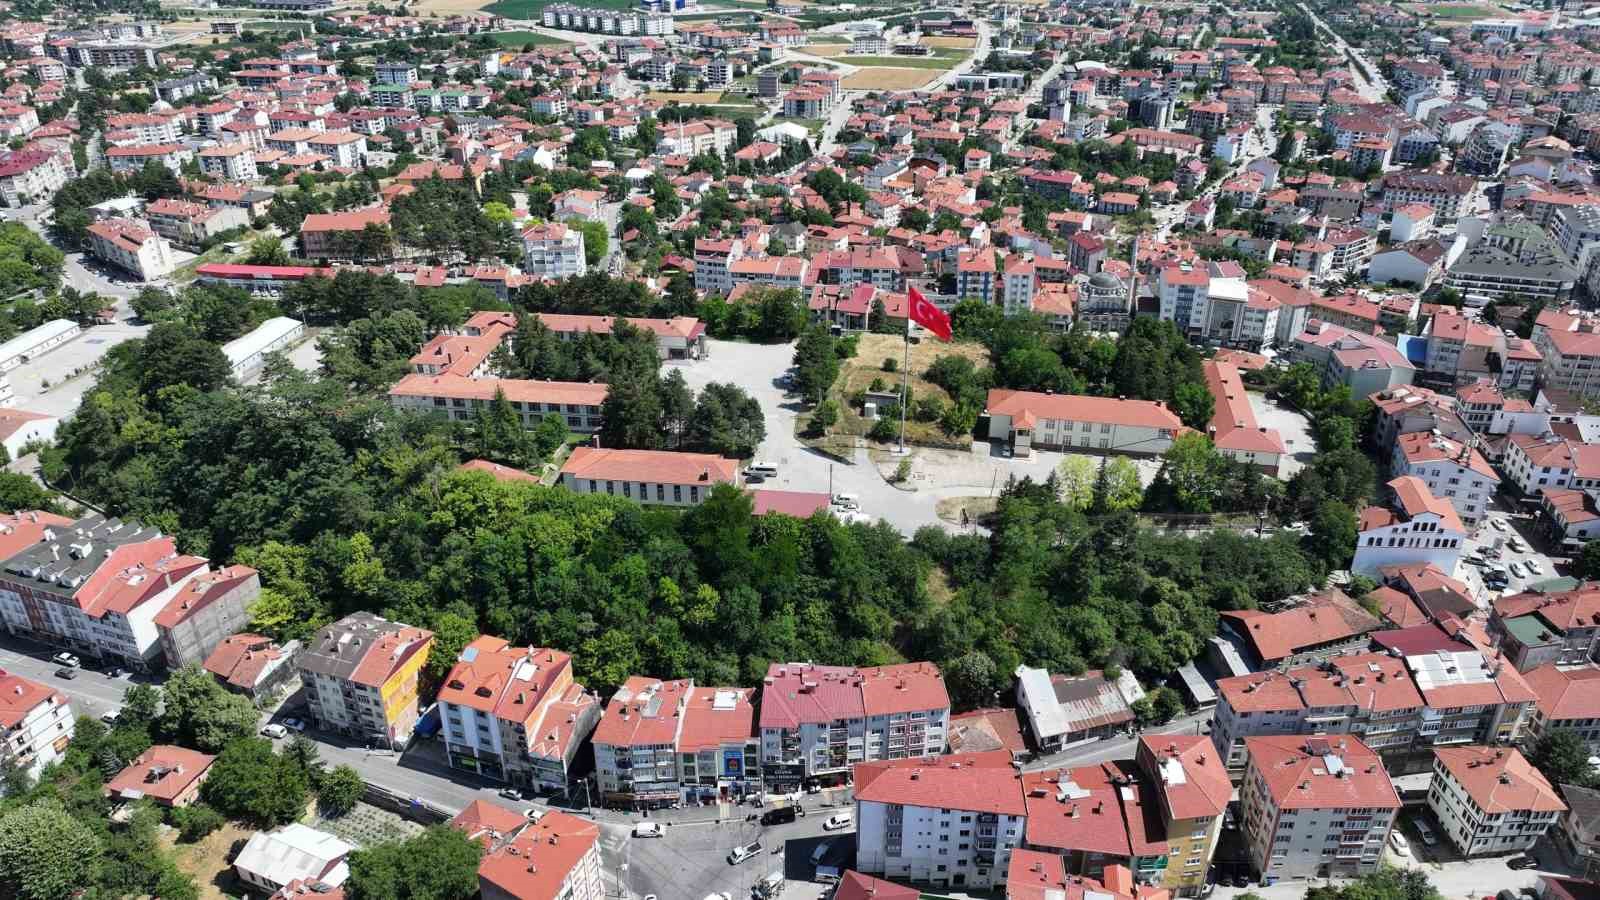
[(27, 262), (70, 217)]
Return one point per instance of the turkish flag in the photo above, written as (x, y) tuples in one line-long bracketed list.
[(929, 316)]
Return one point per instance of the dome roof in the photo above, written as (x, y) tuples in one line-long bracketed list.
[(1105, 280)]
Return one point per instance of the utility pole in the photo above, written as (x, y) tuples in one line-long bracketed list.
[(905, 387)]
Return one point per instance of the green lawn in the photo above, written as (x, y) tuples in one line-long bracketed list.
[(521, 38), (900, 62), (1462, 11), (531, 9)]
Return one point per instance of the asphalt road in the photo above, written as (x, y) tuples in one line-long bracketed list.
[(90, 693), (690, 861)]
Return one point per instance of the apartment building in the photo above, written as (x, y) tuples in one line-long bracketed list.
[(204, 612), (1315, 807), (635, 744), (1059, 421), (576, 403), (30, 176), (1096, 818), (1362, 362), (1569, 346), (252, 665), (130, 246), (1450, 469), (1562, 627), (713, 261), (648, 476), (186, 222), (515, 714), (331, 235), (36, 723), (1491, 801), (1496, 273), (948, 821), (555, 856), (360, 676), (230, 162), (1568, 699), (976, 276), (129, 158), (719, 749), (1192, 790), (781, 272), (164, 775), (553, 251), (1065, 710), (95, 587), (1416, 527), (817, 721), (1535, 462), (1445, 193)]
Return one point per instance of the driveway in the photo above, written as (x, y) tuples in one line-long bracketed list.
[(937, 474)]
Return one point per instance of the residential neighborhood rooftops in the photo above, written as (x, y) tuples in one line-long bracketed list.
[(1499, 779), (1323, 772), (162, 773), (973, 782)]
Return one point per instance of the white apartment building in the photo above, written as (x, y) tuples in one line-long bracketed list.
[(28, 176), (1535, 462), (1450, 469), (782, 272), (713, 264), (950, 821), (515, 714), (817, 721), (345, 148), (1315, 807), (96, 587), (556, 857), (360, 678), (130, 246), (146, 128), (1184, 295), (387, 72), (229, 162), (1569, 345), (635, 744), (36, 723), (1417, 527), (1490, 800), (553, 251)]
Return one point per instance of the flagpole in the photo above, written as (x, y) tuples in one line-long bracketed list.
[(905, 379)]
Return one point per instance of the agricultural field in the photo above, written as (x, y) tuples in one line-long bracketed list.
[(1462, 11), (827, 51), (887, 79), (519, 39)]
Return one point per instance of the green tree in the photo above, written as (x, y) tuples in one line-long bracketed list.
[(200, 713), (1193, 403), (972, 678), (249, 781), (1588, 562), (1077, 477), (1332, 536), (596, 243), (1563, 758), (267, 251), (339, 789), (816, 363), (441, 863), (1193, 468), (46, 854), (1122, 487), (195, 822), (726, 421)]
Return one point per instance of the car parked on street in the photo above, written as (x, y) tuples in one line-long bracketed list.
[(838, 821), (298, 726), (66, 659), (274, 731), (1398, 842), (67, 673), (649, 830)]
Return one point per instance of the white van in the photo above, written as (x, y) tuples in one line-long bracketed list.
[(846, 501), (762, 468), (838, 821), (826, 875)]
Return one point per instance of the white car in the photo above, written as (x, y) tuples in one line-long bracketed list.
[(740, 854), (1399, 843), (1516, 569), (838, 821), (1499, 524), (649, 830), (274, 731), (66, 659), (1532, 565)]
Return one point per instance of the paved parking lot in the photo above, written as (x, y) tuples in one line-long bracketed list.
[(1502, 526), (690, 861), (1292, 426), (55, 382)]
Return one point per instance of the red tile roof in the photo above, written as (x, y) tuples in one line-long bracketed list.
[(1565, 693), (800, 504), (643, 712), (240, 659), (161, 773), (855, 886), (1329, 616), (24, 528), (1190, 779), (202, 591), (1029, 406), (717, 716), (19, 696), (907, 687), (1298, 774), (501, 473), (987, 729), (510, 683), (536, 864), (1499, 779), (974, 782), (654, 466)]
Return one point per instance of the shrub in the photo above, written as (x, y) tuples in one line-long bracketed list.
[(195, 822), (890, 364)]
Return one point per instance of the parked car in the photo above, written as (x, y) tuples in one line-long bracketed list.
[(274, 731), (1429, 836), (838, 821), (1399, 843), (296, 725), (1516, 569), (1517, 544), (755, 478), (110, 716), (649, 830), (1532, 565), (66, 659), (116, 672), (740, 854), (67, 672), (1522, 862), (1499, 524), (820, 852), (511, 793)]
